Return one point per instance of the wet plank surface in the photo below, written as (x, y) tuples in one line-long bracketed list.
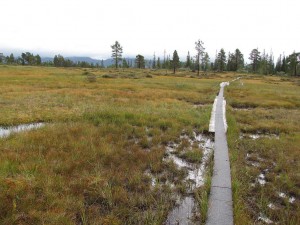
[(220, 200)]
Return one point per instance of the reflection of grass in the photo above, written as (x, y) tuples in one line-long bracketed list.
[(276, 112), (87, 165)]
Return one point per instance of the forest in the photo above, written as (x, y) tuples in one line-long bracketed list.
[(256, 62)]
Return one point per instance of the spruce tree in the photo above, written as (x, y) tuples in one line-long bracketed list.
[(255, 58), (239, 60), (205, 62), (10, 59), (38, 60), (231, 62), (175, 61), (221, 60), (271, 67), (154, 61), (292, 62), (125, 64), (158, 64), (188, 61), (278, 64), (284, 65), (263, 65), (164, 62)]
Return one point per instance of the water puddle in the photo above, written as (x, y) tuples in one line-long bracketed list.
[(264, 219), (183, 211), (291, 199), (200, 105), (195, 171), (236, 79), (261, 179), (242, 109), (152, 177), (6, 131), (258, 136), (272, 206)]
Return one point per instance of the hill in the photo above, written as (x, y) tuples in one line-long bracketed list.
[(75, 59)]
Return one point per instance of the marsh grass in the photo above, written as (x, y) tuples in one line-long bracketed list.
[(193, 156), (276, 111), (202, 193), (87, 165)]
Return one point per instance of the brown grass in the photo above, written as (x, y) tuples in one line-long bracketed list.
[(88, 164), (276, 156)]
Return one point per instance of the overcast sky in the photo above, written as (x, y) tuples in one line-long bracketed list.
[(89, 27)]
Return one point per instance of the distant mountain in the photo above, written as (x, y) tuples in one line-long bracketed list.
[(47, 59), (75, 59)]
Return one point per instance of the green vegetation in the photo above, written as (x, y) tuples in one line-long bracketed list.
[(105, 139), (175, 61), (265, 169), (89, 164), (259, 64), (202, 193)]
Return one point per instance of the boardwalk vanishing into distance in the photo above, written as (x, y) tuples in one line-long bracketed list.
[(220, 200)]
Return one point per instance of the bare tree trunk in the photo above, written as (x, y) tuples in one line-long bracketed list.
[(198, 64)]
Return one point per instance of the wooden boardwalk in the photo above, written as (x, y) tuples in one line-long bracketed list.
[(220, 201)]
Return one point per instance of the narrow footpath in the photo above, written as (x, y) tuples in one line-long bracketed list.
[(220, 201)]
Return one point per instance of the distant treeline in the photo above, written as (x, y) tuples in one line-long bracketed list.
[(260, 63), (29, 59)]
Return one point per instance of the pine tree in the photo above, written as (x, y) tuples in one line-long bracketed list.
[(140, 61), (102, 63), (117, 51), (200, 51), (175, 62)]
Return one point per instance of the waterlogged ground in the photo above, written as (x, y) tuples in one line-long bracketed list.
[(114, 151), (264, 139), (6, 131), (102, 157), (185, 209)]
